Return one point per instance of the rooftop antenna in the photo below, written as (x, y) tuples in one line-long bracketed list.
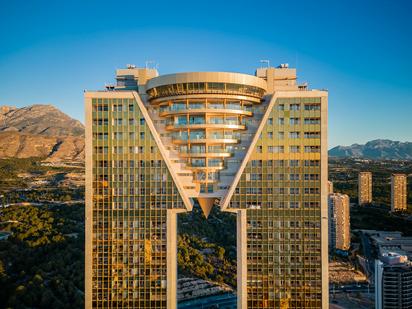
[(267, 62)]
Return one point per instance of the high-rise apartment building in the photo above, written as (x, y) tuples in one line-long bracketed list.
[(399, 192), (330, 187), (339, 222), (255, 146), (365, 188)]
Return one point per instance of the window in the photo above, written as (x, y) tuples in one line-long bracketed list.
[(311, 204), (312, 121), (101, 149), (312, 149), (294, 121), (103, 163), (312, 135), (294, 205), (270, 135), (281, 135), (117, 107), (131, 135), (312, 163), (312, 107), (312, 191), (118, 135), (142, 121), (281, 121), (294, 163), (311, 176), (278, 149), (131, 107), (279, 190), (294, 149), (259, 149), (294, 177), (280, 204), (141, 135), (270, 121), (101, 136), (294, 107), (101, 122), (118, 150), (294, 134), (102, 108), (256, 176), (132, 122), (281, 107), (181, 120), (294, 191)]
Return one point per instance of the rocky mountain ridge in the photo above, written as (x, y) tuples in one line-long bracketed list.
[(40, 131), (376, 149), (39, 119)]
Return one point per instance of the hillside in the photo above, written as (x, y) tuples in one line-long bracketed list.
[(40, 131), (39, 119), (376, 149)]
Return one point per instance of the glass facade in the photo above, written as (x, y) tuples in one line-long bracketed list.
[(205, 132), (196, 88), (132, 192), (280, 191), (149, 153)]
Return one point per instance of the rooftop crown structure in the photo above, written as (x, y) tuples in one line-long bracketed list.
[(252, 145)]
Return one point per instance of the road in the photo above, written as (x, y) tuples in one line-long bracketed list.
[(227, 301)]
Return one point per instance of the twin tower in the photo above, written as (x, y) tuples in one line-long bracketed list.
[(252, 145)]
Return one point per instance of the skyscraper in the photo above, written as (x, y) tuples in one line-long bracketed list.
[(399, 192), (339, 222), (365, 188), (255, 146)]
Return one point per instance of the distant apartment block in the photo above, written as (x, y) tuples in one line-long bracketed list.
[(399, 192), (330, 187), (339, 222), (365, 188)]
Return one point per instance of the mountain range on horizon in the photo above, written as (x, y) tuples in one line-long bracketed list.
[(45, 131), (379, 149)]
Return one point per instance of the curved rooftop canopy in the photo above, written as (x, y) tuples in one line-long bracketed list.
[(205, 82)]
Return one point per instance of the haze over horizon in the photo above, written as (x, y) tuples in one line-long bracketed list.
[(360, 52)]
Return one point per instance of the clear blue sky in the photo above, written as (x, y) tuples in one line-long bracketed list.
[(50, 51)]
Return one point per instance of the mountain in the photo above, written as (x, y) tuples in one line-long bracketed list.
[(40, 131), (39, 119), (376, 149)]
